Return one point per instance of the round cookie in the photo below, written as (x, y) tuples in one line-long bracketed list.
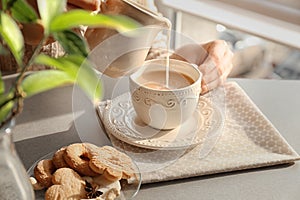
[(43, 172), (58, 159), (68, 184), (110, 162), (77, 156)]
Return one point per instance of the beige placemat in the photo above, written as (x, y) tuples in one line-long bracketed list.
[(247, 140)]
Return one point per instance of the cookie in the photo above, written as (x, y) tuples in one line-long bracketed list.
[(83, 170), (55, 192), (58, 159), (43, 172), (67, 184), (63, 176), (110, 162), (77, 156)]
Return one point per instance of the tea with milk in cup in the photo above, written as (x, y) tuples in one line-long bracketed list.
[(157, 80)]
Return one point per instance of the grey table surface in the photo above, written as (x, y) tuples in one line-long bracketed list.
[(64, 115)]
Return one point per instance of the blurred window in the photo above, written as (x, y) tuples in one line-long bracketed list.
[(286, 10)]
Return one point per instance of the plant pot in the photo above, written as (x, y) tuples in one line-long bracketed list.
[(14, 181), (8, 64)]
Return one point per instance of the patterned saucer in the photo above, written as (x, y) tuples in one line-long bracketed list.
[(121, 121)]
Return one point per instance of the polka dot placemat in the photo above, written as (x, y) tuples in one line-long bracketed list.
[(247, 140)]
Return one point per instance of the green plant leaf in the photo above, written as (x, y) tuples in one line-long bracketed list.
[(5, 110), (2, 86), (49, 9), (75, 18), (61, 63), (21, 11), (72, 42), (12, 36), (88, 80), (5, 97), (79, 70), (44, 80), (4, 4)]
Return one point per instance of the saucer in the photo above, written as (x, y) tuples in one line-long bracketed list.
[(121, 121)]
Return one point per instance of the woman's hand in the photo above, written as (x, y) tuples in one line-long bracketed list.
[(217, 65), (213, 58)]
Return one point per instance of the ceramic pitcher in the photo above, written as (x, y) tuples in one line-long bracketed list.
[(116, 54)]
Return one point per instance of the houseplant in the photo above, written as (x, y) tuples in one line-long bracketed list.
[(57, 24), (71, 68)]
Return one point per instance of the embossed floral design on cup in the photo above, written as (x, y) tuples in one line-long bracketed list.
[(164, 106)]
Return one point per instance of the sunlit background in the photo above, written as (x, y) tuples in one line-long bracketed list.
[(264, 34)]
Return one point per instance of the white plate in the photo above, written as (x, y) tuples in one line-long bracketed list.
[(121, 121), (128, 191)]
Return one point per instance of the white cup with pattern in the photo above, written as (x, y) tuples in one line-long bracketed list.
[(165, 104)]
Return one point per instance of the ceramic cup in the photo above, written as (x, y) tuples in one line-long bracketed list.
[(161, 106)]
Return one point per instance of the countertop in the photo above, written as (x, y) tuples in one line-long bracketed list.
[(64, 115)]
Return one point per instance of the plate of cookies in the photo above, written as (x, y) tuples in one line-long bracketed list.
[(85, 171)]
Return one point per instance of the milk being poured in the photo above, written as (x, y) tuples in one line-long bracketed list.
[(168, 43)]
